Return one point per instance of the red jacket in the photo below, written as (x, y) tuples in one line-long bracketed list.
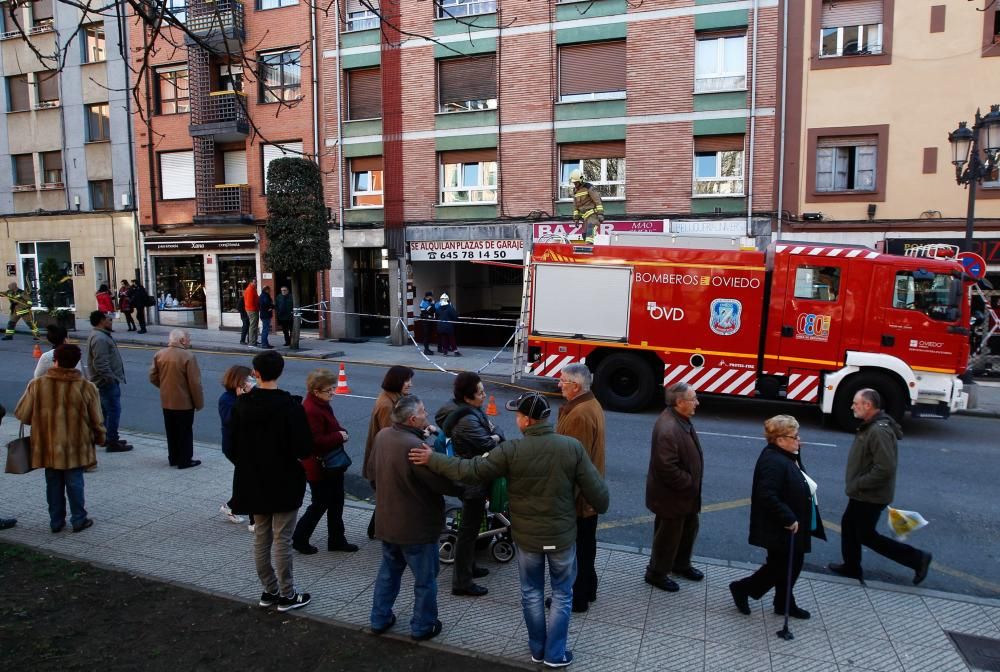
[(250, 299), (326, 434), (104, 303)]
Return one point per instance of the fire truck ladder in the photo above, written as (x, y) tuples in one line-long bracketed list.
[(933, 251), (521, 339)]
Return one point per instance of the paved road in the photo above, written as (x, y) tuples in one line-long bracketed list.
[(948, 468)]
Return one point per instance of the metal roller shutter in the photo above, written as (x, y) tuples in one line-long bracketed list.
[(235, 165), (363, 163), (718, 143), (592, 150), (464, 79), (469, 156), (364, 94), (851, 13), (177, 175), (597, 67)]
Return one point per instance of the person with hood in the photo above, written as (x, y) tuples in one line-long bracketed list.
[(397, 382), (428, 313), (270, 434), (870, 485), (265, 309), (285, 313), (105, 303), (447, 316), (782, 509), (472, 434)]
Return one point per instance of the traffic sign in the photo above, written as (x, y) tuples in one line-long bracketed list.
[(974, 265)]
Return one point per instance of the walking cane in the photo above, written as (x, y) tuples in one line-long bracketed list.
[(785, 633)]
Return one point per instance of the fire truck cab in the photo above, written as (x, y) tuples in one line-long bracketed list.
[(800, 322)]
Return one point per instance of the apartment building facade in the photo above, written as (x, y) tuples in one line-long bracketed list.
[(223, 99), (66, 182), (873, 89), (451, 128)]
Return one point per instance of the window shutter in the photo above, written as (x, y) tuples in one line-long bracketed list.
[(462, 79), (364, 94), (469, 156), (235, 165), (718, 143), (363, 163), (177, 175), (285, 149), (598, 67), (838, 13), (840, 161), (356, 6), (824, 169), (48, 85), (847, 141), (864, 173), (40, 10), (592, 150), (17, 88), (24, 169)]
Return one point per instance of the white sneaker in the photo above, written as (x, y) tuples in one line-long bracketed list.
[(251, 527), (228, 513)]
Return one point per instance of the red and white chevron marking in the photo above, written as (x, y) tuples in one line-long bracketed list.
[(720, 381), (818, 251), (550, 366), (802, 388)]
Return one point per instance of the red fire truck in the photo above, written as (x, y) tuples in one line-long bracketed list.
[(808, 323)]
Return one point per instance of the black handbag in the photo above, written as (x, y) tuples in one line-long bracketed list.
[(336, 460), (19, 454)]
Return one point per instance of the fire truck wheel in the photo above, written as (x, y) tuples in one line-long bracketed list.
[(624, 382), (893, 402)]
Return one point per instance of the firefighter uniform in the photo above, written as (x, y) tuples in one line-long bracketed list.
[(20, 308), (587, 206)]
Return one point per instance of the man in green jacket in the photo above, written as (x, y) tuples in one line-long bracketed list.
[(870, 485), (544, 471)]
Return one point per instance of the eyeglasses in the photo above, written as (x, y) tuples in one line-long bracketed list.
[(794, 437), (328, 390)]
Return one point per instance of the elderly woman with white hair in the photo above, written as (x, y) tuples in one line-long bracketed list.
[(175, 371)]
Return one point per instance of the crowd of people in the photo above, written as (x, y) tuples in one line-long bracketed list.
[(280, 444), (258, 311)]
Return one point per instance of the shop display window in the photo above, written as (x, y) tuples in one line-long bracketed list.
[(180, 282), (235, 271)]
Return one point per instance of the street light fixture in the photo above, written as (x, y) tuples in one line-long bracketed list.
[(975, 152)]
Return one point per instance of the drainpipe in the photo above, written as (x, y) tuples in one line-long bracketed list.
[(315, 80), (784, 115), (753, 120), (340, 125), (137, 271)]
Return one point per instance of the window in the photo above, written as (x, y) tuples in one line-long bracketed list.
[(592, 71), (720, 63), (18, 96), (452, 8), (468, 177), (24, 170), (466, 84), (364, 94), (602, 163), (936, 295), (718, 165), (360, 17), (275, 4), (98, 122), (278, 151), (52, 169), (102, 195), (280, 76), (850, 28), (176, 175), (93, 43), (47, 82), (234, 165), (846, 164), (41, 15), (177, 9), (366, 182), (817, 283), (172, 90), (230, 77)]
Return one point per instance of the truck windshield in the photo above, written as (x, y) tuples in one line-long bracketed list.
[(936, 295)]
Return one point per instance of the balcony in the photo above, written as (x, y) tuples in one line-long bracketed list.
[(223, 115), (218, 26), (228, 204)]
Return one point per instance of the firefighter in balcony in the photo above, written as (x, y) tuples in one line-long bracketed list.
[(20, 308), (587, 205)]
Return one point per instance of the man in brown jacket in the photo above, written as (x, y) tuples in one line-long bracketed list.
[(409, 515), (583, 419), (673, 490), (175, 371)]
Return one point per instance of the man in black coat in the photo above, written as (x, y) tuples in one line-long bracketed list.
[(139, 297), (270, 434)]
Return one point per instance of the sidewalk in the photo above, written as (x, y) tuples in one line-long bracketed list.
[(164, 523)]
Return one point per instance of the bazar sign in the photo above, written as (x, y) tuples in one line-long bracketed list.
[(466, 250), (574, 230)]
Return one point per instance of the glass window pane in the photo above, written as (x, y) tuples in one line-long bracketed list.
[(872, 42), (490, 170), (706, 57), (852, 40), (615, 170), (376, 178), (828, 39), (732, 164), (567, 168), (361, 182), (451, 174), (470, 174), (735, 55), (704, 164), (592, 170)]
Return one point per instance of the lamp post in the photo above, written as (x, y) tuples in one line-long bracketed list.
[(974, 152)]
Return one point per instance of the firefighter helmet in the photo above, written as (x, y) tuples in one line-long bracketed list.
[(576, 176)]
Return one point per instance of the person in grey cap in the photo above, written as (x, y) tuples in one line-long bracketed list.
[(544, 472)]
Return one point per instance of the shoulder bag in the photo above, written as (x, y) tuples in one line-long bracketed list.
[(19, 454)]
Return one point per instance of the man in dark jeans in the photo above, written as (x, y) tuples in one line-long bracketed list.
[(244, 318), (285, 313), (106, 370), (140, 301), (6, 523)]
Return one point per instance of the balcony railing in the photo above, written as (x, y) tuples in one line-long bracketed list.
[(220, 107), (226, 199), (217, 24)]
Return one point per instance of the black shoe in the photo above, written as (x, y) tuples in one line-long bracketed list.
[(119, 447), (480, 572), (7, 338), (305, 549), (925, 564), (344, 548), (740, 599), (428, 352), (7, 523), (267, 346), (141, 331), (58, 528), (296, 601), (794, 612), (84, 525), (268, 599), (243, 342), (456, 354), (192, 463), (581, 607), (661, 582), (473, 590), (385, 628), (841, 569), (691, 574), (430, 634)]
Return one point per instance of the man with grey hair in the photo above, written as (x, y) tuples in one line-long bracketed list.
[(175, 371), (409, 516), (673, 490), (870, 485), (582, 418)]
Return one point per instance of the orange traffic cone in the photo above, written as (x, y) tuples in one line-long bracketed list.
[(37, 352), (342, 387), (491, 407)]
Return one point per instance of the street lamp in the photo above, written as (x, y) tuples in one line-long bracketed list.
[(978, 147)]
